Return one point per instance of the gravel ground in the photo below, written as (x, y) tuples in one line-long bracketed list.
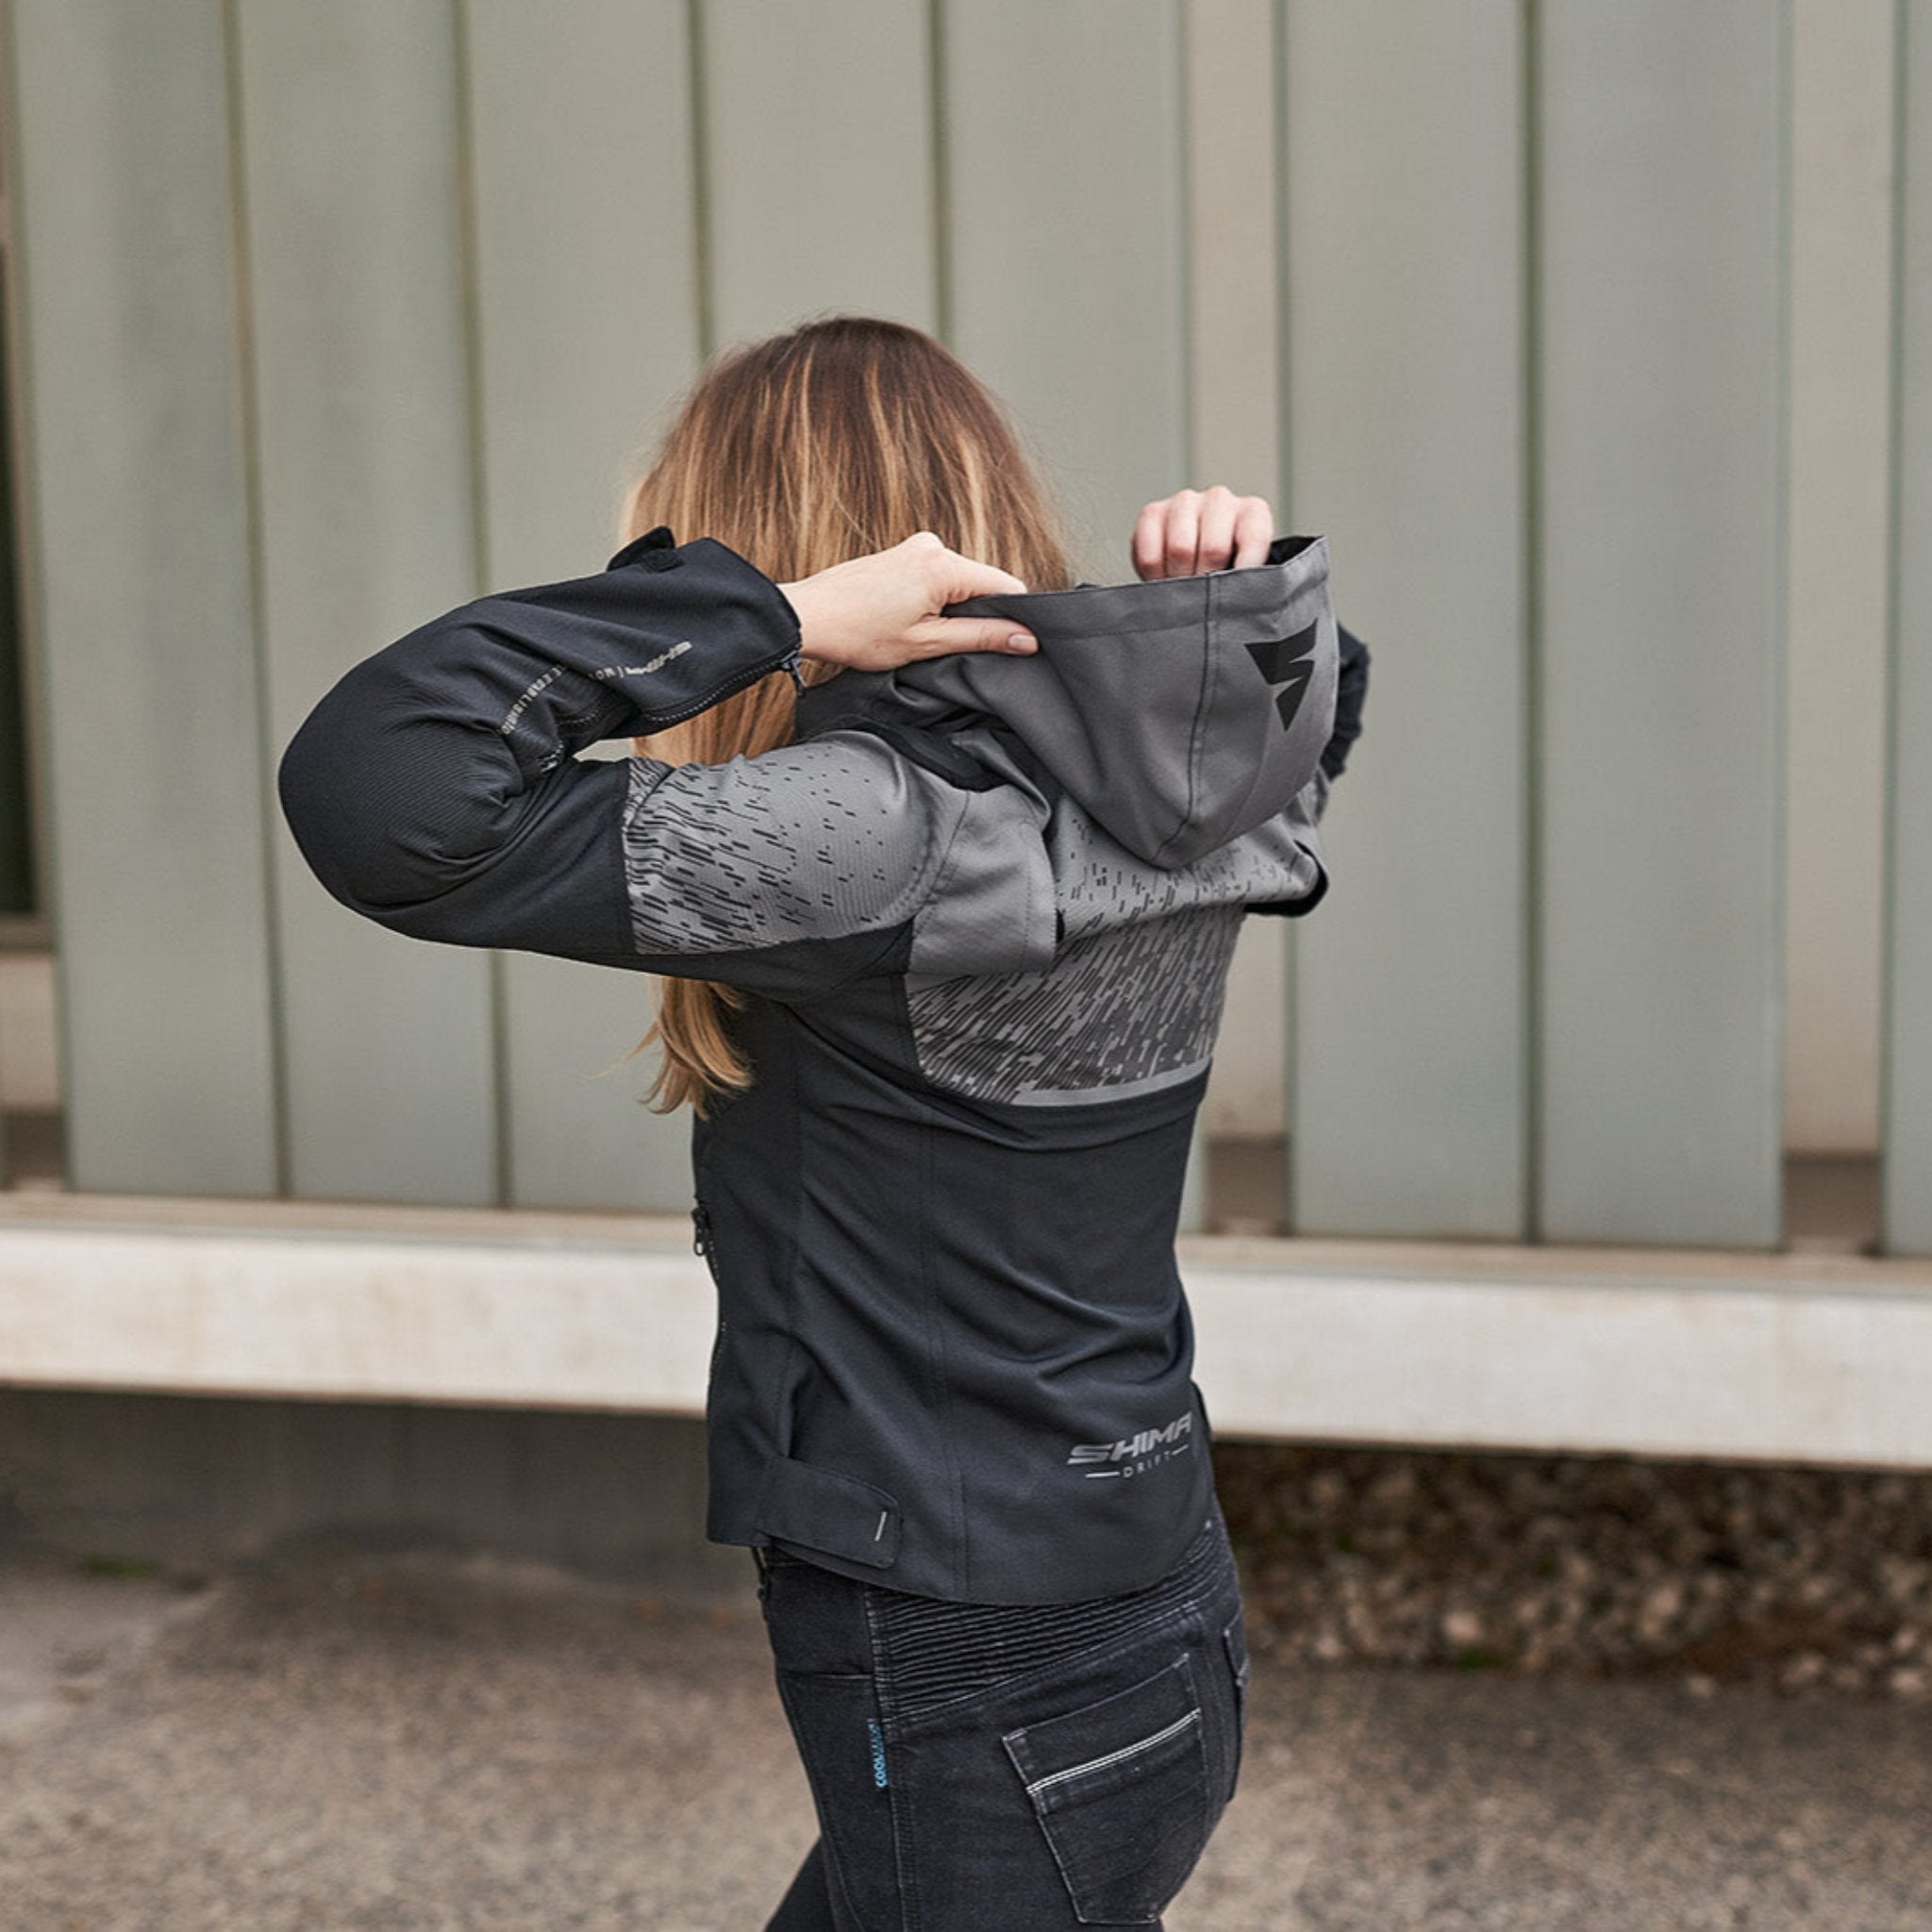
[(1804, 1581), (351, 1741)]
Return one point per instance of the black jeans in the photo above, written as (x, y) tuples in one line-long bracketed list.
[(1032, 1766)]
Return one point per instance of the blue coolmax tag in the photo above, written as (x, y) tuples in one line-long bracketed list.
[(879, 1752)]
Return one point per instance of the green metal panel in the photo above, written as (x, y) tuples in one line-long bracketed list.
[(587, 327), (1663, 295), (1233, 104), (1064, 243), (1843, 94), (818, 162), (349, 133), (133, 455), (1233, 434), (1405, 404), (580, 1135), (1907, 1110)]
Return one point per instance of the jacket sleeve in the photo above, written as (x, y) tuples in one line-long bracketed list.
[(1351, 693), (436, 790)]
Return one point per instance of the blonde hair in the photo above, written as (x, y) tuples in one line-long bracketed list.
[(840, 438)]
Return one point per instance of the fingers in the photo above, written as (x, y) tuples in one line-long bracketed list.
[(1197, 530), (881, 611), (1181, 538), (1253, 532), (1150, 542), (1219, 509), (942, 634)]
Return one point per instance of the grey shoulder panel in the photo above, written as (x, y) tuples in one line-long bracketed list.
[(992, 907), (821, 841)]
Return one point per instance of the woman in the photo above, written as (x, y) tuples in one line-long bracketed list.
[(944, 939)]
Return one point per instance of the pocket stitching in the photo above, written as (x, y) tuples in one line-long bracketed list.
[(1159, 1736)]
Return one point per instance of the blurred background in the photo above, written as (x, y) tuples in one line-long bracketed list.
[(1597, 337)]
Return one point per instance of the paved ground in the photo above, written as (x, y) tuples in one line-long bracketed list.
[(352, 1741)]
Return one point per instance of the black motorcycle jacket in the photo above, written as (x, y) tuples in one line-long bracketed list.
[(981, 914)]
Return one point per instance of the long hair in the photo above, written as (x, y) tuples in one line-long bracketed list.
[(840, 438)]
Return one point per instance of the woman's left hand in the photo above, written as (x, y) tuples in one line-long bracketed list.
[(877, 612), (1197, 530)]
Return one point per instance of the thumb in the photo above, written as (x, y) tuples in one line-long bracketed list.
[(939, 635), (967, 577), (956, 577)]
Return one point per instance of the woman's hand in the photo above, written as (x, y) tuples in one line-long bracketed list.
[(878, 612), (1200, 530)]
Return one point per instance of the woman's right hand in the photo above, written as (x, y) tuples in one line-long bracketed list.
[(877, 612), (1199, 530)]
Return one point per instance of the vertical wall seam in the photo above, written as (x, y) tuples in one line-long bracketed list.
[(1186, 263), (1895, 619), (249, 398), (1284, 411), (1777, 991), (470, 291), (941, 160), (1284, 406), (36, 699), (37, 790), (469, 267), (23, 924), (30, 562), (703, 265), (1531, 854), (1194, 1196)]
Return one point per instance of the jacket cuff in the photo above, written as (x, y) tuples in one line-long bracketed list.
[(747, 627)]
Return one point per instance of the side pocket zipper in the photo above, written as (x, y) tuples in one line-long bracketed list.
[(705, 1248)]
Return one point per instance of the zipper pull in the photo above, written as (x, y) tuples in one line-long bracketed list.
[(701, 1235)]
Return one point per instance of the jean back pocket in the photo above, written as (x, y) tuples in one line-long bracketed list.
[(1119, 1788)]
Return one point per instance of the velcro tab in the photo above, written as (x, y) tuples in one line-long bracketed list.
[(824, 1510)]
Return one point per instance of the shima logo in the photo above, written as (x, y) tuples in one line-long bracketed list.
[(1285, 662), (1136, 1454)]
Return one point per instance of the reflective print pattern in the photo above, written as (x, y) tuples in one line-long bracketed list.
[(812, 842), (1116, 1009), (1101, 885)]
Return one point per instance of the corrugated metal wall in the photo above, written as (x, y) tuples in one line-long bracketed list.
[(330, 316)]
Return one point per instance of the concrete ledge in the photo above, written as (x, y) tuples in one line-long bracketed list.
[(1772, 1369), (364, 1304), (1781, 1357)]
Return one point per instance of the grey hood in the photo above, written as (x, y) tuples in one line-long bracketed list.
[(1178, 714)]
